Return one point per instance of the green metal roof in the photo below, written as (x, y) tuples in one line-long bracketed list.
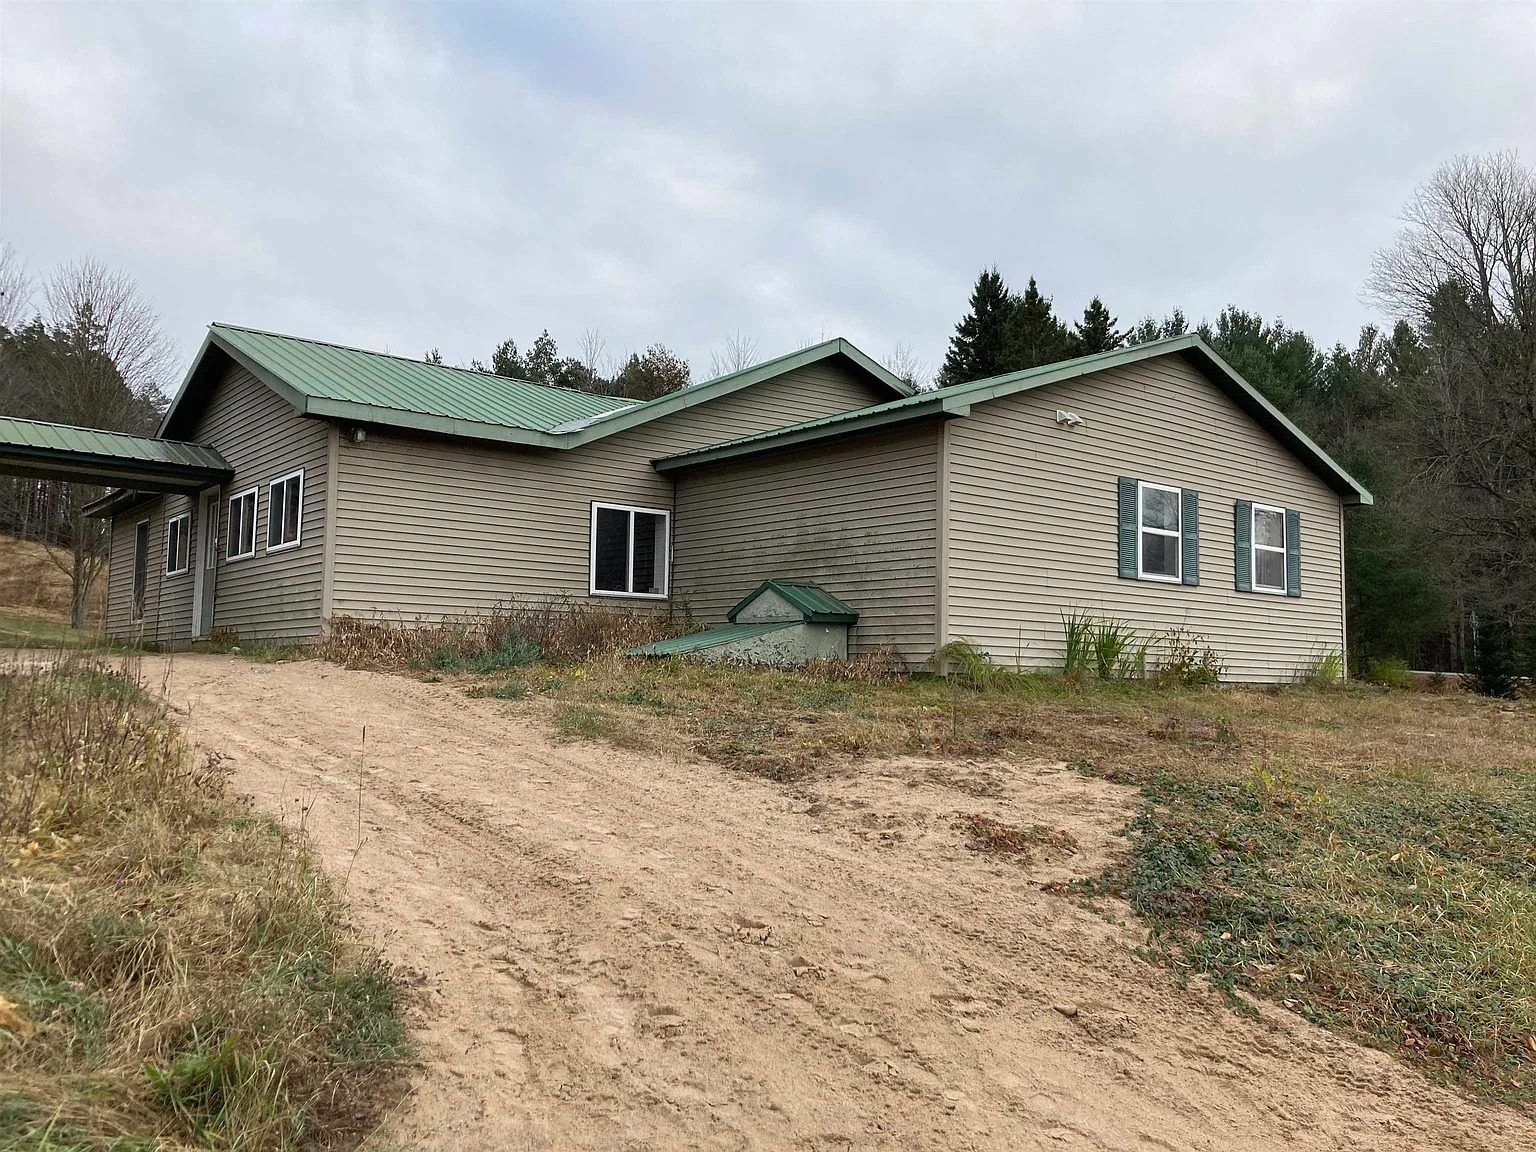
[(606, 424), (816, 604), (341, 383), (956, 401), (331, 380), (697, 641), (91, 456)]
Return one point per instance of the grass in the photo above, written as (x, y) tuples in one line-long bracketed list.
[(1364, 857), (18, 631), (172, 968)]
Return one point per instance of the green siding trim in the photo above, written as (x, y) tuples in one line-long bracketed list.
[(1130, 513), (956, 401), (1292, 552), (1189, 533), (1242, 531), (816, 604)]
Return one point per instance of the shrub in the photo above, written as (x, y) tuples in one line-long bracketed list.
[(1388, 671), (1188, 661), (1323, 670)]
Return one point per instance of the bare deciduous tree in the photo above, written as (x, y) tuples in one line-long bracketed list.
[(739, 352), (1463, 273), (904, 364), (15, 288), (594, 352), (97, 357)]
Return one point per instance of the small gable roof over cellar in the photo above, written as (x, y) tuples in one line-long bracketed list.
[(814, 603)]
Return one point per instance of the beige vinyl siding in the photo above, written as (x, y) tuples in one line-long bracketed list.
[(858, 516), (1032, 520), (120, 620), (426, 528), (276, 595)]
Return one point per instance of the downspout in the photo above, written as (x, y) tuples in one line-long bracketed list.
[(941, 544)]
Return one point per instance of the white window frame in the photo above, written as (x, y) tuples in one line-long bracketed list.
[(184, 519), (1142, 488), (233, 540), (298, 535), (1254, 548), (629, 552)]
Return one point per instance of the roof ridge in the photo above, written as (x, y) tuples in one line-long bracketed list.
[(424, 363)]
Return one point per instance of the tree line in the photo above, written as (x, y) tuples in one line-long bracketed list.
[(1435, 414)]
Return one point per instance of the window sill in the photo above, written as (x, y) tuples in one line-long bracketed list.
[(241, 556), (1160, 579), (288, 547), (1269, 591), (628, 595), (178, 572)]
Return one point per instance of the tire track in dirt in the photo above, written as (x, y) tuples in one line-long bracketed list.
[(625, 951)]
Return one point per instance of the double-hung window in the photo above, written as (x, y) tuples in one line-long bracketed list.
[(1268, 549), (242, 525), (285, 502), (629, 551), (1160, 533), (178, 545)]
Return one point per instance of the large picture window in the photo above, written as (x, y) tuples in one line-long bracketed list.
[(242, 525), (1268, 549), (178, 545), (285, 503), (1160, 533), (629, 551)]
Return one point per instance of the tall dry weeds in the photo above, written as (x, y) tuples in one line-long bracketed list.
[(173, 965)]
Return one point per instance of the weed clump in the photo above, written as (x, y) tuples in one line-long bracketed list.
[(996, 837), (172, 965)]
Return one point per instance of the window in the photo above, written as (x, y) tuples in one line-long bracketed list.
[(140, 566), (1159, 538), (285, 500), (242, 525), (1268, 549), (629, 551), (178, 541)]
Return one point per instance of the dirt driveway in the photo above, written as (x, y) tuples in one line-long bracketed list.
[(646, 952)]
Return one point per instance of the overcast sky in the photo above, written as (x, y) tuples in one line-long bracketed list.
[(409, 177)]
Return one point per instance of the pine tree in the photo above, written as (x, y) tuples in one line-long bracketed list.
[(1096, 331), (1035, 335), (978, 347), (506, 361)]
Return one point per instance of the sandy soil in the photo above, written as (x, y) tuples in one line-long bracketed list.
[(620, 951)]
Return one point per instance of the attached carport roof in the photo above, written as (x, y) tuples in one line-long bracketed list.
[(113, 459)]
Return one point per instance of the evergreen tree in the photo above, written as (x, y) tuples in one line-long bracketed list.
[(1150, 329), (506, 361), (978, 347), (1096, 331), (1035, 335), (645, 377)]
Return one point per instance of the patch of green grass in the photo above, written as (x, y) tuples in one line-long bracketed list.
[(29, 632), (588, 722), (1398, 908)]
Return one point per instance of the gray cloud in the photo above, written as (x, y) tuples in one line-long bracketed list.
[(410, 177)]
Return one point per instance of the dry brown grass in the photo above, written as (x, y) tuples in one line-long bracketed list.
[(33, 586), (174, 967), (556, 629)]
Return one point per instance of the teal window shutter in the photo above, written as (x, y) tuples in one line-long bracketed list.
[(1129, 513), (1292, 552), (1242, 524), (1189, 523)]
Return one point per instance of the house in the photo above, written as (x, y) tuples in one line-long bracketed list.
[(294, 482)]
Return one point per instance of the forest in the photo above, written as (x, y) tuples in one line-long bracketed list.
[(1434, 409)]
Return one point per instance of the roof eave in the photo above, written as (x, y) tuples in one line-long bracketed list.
[(591, 428), (939, 406)]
